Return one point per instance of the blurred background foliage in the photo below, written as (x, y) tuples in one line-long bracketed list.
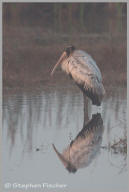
[(35, 34), (68, 17)]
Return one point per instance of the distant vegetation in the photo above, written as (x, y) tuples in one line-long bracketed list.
[(67, 17), (35, 34)]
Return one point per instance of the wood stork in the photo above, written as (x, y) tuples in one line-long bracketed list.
[(84, 71)]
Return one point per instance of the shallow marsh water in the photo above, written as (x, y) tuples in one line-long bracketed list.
[(33, 120)]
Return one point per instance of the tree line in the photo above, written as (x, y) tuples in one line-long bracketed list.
[(65, 16)]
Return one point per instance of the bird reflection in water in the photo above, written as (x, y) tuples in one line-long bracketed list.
[(85, 147)]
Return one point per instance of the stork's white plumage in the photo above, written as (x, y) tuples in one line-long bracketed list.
[(84, 71)]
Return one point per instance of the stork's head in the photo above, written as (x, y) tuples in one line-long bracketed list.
[(68, 165), (67, 52)]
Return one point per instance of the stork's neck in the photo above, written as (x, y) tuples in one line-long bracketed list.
[(65, 65)]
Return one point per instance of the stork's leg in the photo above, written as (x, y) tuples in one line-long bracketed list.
[(86, 116)]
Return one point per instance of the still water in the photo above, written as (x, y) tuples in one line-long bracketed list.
[(54, 114)]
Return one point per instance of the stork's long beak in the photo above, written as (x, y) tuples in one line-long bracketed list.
[(63, 56), (68, 165), (61, 157)]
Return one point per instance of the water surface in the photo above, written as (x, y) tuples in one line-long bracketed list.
[(32, 121)]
